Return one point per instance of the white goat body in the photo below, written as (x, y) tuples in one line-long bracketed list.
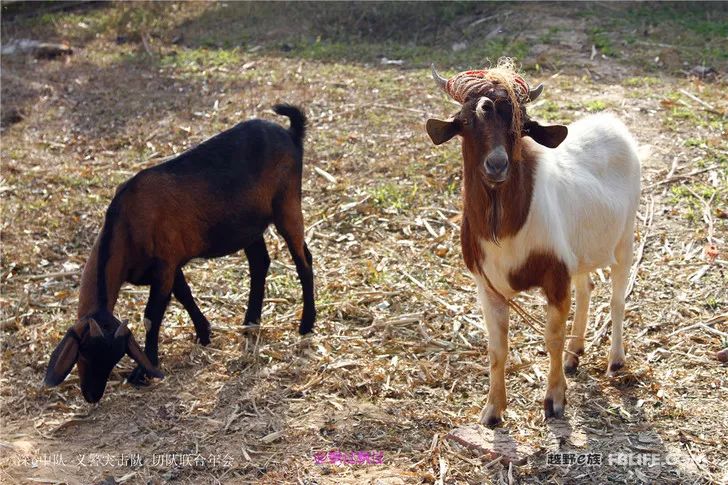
[(585, 196)]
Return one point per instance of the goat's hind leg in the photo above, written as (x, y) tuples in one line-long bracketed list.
[(620, 280), (289, 223), (183, 294), (575, 348), (258, 262)]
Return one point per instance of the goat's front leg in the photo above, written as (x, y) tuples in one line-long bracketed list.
[(495, 312), (555, 335), (160, 293)]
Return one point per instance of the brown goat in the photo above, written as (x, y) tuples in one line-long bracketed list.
[(211, 201)]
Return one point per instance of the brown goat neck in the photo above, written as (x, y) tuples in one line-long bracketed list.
[(494, 213), (88, 301)]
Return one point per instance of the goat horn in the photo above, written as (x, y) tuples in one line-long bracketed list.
[(94, 328), (441, 81), (122, 330), (535, 92)]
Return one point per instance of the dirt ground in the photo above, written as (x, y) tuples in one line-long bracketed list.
[(399, 355)]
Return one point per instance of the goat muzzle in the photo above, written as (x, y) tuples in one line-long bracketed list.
[(496, 165)]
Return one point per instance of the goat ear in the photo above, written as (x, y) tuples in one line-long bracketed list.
[(548, 136), (441, 131), (135, 352), (63, 359)]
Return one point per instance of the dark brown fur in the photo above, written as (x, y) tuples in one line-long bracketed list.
[(546, 271), (208, 202)]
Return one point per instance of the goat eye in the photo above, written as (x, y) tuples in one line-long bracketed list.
[(504, 108)]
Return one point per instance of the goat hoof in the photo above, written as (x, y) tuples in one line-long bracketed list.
[(203, 340), (493, 421), (250, 327), (305, 328), (614, 368), (490, 417), (551, 410), (138, 378), (571, 365)]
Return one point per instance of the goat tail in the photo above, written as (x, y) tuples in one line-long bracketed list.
[(298, 121)]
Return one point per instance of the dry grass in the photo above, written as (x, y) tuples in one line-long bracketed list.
[(399, 357)]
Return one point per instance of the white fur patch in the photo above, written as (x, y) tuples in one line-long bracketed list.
[(480, 107), (585, 198)]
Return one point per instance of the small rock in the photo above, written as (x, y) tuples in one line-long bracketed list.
[(391, 62), (491, 443), (459, 46), (703, 72), (494, 32), (722, 356)]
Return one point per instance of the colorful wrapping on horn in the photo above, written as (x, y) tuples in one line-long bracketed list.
[(462, 85)]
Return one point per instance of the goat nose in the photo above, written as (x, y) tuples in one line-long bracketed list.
[(496, 163)]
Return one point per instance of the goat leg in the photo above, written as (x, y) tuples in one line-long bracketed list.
[(183, 294), (160, 293), (555, 337), (258, 262)]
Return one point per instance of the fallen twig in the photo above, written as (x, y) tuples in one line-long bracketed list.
[(58, 274), (708, 107), (717, 319), (325, 174), (680, 177), (706, 211), (641, 249)]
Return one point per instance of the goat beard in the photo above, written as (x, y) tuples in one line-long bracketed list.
[(496, 209), (488, 202)]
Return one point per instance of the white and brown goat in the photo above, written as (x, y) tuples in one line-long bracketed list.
[(540, 209)]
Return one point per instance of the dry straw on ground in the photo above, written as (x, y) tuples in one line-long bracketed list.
[(399, 357)]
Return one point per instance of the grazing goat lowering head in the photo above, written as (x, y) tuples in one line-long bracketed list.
[(95, 352), (208, 202)]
